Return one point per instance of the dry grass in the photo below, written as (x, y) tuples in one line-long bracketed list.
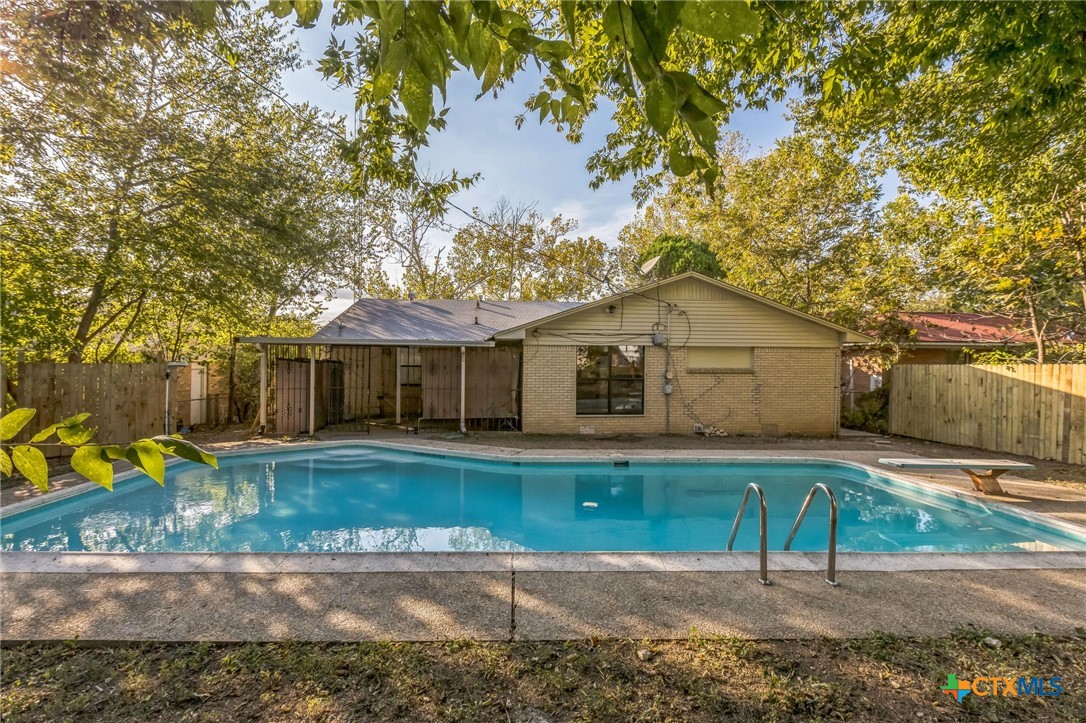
[(879, 678)]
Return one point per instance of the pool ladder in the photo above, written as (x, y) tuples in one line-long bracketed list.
[(763, 555)]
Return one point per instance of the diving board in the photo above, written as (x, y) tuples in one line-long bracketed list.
[(986, 482)]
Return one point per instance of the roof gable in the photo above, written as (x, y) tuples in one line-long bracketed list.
[(847, 335)]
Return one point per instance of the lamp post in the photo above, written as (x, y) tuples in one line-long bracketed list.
[(170, 367)]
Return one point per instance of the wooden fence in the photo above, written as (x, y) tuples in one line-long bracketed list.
[(1037, 410), (126, 401)]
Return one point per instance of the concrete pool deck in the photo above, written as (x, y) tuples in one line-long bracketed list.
[(542, 596)]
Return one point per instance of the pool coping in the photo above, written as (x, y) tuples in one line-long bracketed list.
[(437, 562), (513, 562)]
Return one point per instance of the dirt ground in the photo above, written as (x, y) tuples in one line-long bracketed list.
[(879, 678)]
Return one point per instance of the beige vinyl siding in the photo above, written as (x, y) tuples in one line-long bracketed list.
[(710, 316)]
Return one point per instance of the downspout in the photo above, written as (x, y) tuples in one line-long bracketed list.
[(398, 366), (667, 372), (312, 391), (837, 391), (463, 384), (263, 388)]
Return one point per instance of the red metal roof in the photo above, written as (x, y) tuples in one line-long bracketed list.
[(965, 329)]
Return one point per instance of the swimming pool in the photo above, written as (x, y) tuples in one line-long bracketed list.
[(362, 497)]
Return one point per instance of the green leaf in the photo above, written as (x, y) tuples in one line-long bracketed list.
[(679, 163), (417, 97), (76, 435), (12, 422), (185, 450), (115, 451), (31, 462), (493, 70), (552, 50), (660, 104), (146, 455), (723, 21), (92, 462), (308, 11), (5, 464), (480, 40), (389, 70), (460, 20), (279, 8), (70, 422), (569, 18), (45, 433)]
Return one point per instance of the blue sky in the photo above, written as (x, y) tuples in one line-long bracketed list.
[(535, 164)]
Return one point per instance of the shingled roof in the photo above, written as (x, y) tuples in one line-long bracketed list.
[(438, 320), (965, 329)]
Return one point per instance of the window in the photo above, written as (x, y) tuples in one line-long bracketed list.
[(610, 380), (410, 367), (719, 358)]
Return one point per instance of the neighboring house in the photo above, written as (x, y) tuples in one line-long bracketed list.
[(671, 356), (937, 338)]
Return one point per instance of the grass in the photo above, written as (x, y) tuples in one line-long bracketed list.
[(876, 678)]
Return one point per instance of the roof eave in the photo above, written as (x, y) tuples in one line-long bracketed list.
[(342, 341)]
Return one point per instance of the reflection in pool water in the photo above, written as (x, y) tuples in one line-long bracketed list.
[(360, 498)]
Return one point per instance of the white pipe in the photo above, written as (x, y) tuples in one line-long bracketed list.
[(263, 388), (312, 391), (399, 364), (463, 384)]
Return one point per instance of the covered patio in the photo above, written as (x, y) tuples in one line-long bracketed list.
[(309, 384)]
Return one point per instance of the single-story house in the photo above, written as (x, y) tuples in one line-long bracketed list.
[(936, 338), (674, 356)]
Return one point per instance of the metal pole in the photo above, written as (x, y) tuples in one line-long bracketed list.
[(167, 419), (263, 388), (312, 391), (399, 363), (463, 385)]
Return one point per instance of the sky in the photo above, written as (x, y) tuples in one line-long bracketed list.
[(533, 165)]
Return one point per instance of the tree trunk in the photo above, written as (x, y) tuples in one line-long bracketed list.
[(1036, 328), (97, 296)]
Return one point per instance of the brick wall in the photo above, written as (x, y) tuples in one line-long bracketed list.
[(788, 391)]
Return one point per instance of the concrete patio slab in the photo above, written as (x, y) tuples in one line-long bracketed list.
[(239, 607), (437, 606), (796, 605), (549, 605)]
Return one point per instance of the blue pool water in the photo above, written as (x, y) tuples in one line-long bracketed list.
[(361, 498)]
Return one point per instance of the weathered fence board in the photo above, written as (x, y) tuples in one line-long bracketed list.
[(1037, 410), (126, 401)]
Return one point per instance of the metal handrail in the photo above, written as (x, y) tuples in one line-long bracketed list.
[(763, 553), (831, 561)]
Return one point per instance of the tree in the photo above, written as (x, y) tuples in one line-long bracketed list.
[(512, 252), (179, 204), (398, 223), (675, 71), (799, 224), (679, 254), (1004, 264)]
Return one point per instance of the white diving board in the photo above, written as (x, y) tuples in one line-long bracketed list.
[(986, 482)]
